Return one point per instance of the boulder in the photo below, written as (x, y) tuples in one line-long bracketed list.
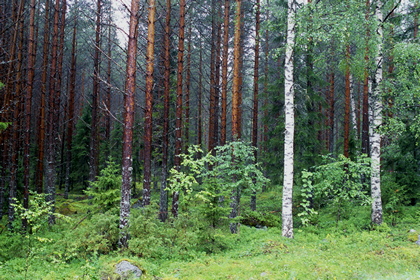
[(412, 235), (127, 270)]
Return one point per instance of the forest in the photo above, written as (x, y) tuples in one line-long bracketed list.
[(209, 139)]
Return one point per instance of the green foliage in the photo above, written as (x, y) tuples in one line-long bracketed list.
[(80, 151), (150, 238), (105, 192), (94, 234), (210, 179), (335, 183), (4, 125)]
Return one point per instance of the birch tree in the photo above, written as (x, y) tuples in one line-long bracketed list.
[(375, 138), (287, 218)]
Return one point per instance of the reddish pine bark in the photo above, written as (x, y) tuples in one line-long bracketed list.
[(163, 202), (129, 107), (52, 116), (187, 92), (236, 90), (94, 138), (148, 123), (178, 114), (28, 101), (70, 112), (39, 179)]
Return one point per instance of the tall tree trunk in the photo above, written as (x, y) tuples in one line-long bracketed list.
[(187, 91), (287, 217), (331, 113), (377, 120), (94, 138), (13, 101), (347, 105), (365, 103), (255, 97), (236, 85), (225, 56), (60, 58), (28, 102), (148, 112), (178, 113), (108, 90), (127, 140), (52, 116), (213, 118), (163, 202), (236, 105), (70, 112), (200, 100), (39, 178)]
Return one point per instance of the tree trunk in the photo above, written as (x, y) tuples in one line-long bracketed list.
[(178, 114), (236, 85), (225, 56), (365, 103), (331, 113), (255, 97), (148, 112), (213, 118), (94, 139), (39, 179), (287, 217), (187, 91), (200, 100), (236, 106), (129, 107), (28, 101), (52, 116), (347, 105), (70, 112), (375, 138), (163, 202)]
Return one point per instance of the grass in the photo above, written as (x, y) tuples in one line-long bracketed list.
[(346, 249), (266, 255)]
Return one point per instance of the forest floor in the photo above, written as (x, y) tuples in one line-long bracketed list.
[(329, 250)]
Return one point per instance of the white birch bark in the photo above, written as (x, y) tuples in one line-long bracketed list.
[(375, 137), (353, 106), (287, 218)]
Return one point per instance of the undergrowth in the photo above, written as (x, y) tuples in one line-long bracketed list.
[(84, 246)]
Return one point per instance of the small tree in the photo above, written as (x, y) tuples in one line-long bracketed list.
[(334, 183), (105, 190), (212, 178)]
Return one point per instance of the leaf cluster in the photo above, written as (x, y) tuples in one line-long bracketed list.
[(212, 177), (334, 183)]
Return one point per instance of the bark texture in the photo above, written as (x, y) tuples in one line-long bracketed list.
[(148, 114), (287, 217), (375, 138), (128, 122)]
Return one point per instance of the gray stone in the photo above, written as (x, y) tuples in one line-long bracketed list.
[(127, 270), (412, 230)]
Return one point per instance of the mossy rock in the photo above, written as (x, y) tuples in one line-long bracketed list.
[(413, 236), (113, 270), (67, 208)]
